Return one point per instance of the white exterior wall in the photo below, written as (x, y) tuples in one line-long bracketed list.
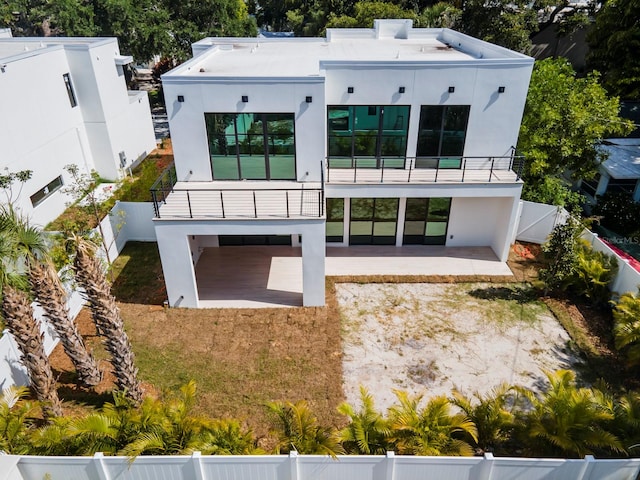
[(175, 245), (42, 132), (39, 130), (188, 131)]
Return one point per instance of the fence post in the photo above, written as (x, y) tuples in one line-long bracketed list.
[(486, 470), (293, 465), (391, 466), (586, 468), (196, 459), (98, 463)]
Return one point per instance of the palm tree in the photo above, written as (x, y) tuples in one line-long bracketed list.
[(106, 315), (45, 284), (490, 414), (626, 424), (568, 421), (432, 430), (14, 416), (297, 429), (368, 432), (50, 294), (18, 316), (626, 316)]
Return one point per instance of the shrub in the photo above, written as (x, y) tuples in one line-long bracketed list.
[(594, 272)]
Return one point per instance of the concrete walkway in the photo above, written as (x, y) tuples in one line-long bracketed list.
[(261, 277)]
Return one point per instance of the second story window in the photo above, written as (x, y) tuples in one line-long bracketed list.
[(70, 91), (44, 193), (251, 146), (367, 136), (443, 129)]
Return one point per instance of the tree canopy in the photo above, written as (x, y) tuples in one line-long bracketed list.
[(565, 119), (614, 43), (144, 27)]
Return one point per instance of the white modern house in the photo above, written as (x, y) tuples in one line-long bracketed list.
[(620, 172), (65, 101), (385, 136)]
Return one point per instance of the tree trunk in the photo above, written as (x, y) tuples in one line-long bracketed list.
[(18, 315), (52, 297), (106, 315)]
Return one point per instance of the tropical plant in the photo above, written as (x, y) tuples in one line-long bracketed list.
[(626, 423), (297, 429), (594, 272), (14, 421), (90, 275), (431, 430), (567, 421), (626, 327), (368, 431), (491, 414)]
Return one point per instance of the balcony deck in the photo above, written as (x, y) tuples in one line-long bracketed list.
[(418, 176), (242, 200)]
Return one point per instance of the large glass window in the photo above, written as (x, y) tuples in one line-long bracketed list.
[(251, 146), (335, 220), (426, 221), (367, 136), (441, 136), (70, 92), (42, 194), (373, 221)]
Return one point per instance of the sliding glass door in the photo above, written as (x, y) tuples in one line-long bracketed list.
[(373, 221), (426, 221)]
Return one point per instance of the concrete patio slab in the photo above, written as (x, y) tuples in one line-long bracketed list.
[(271, 276)]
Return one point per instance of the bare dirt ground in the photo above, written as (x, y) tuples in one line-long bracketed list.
[(432, 338)]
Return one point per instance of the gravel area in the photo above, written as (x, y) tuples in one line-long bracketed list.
[(431, 338)]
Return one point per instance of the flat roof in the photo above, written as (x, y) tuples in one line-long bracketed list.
[(20, 47), (389, 43), (624, 157)]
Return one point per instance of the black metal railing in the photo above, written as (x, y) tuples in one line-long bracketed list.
[(223, 203), (423, 169)]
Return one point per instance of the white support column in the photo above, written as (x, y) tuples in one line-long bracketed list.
[(177, 265), (313, 256), (347, 221), (391, 466), (502, 251), (98, 463), (402, 209)]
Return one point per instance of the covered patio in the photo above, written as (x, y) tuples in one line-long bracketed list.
[(271, 276)]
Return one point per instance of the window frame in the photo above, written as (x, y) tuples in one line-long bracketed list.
[(442, 160), (47, 191)]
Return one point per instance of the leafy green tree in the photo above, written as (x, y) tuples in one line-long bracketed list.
[(297, 429), (507, 23), (431, 430), (565, 118), (440, 15), (366, 12), (568, 421), (368, 431), (552, 191), (561, 251), (614, 43), (626, 328), (491, 414), (619, 213), (47, 18)]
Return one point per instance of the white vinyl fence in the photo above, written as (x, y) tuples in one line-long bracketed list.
[(536, 223), (314, 467), (128, 221)]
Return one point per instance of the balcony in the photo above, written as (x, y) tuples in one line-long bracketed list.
[(235, 200), (424, 170)]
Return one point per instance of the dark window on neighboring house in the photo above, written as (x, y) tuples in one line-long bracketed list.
[(252, 146), (590, 186), (70, 92), (442, 133), (622, 185), (38, 197)]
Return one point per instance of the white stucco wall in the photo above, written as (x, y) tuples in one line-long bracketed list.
[(188, 131), (475, 222)]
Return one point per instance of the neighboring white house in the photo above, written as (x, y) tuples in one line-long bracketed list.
[(65, 101), (620, 172), (387, 136)]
